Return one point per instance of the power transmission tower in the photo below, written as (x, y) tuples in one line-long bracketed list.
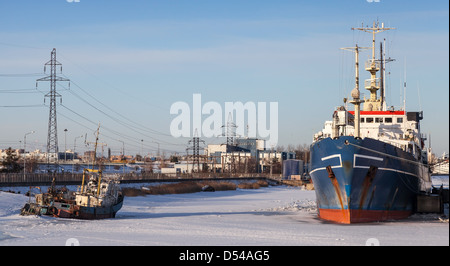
[(230, 132), (196, 150), (52, 137)]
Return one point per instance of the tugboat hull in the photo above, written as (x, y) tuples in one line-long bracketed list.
[(72, 211), (88, 213)]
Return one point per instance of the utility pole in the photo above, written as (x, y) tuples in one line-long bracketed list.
[(65, 144), (52, 137), (24, 152)]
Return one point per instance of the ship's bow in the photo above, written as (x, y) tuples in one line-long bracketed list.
[(361, 181)]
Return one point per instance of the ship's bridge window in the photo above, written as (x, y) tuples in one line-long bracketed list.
[(388, 120), (362, 119), (378, 119), (399, 119), (369, 120)]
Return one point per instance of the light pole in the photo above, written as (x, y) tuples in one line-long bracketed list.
[(24, 149), (65, 145), (74, 146), (123, 149), (142, 144), (123, 155), (158, 146)]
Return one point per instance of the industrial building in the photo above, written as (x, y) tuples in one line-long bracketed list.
[(247, 155)]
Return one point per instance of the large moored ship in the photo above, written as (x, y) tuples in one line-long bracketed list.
[(369, 165)]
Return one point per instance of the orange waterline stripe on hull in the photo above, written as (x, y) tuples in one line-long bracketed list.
[(361, 216)]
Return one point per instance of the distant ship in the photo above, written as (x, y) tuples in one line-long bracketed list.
[(441, 168), (98, 198), (369, 165)]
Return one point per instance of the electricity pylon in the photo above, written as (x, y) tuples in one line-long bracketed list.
[(52, 137)]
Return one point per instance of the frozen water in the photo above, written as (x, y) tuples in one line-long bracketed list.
[(272, 216)]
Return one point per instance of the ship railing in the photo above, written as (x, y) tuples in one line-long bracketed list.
[(369, 83), (32, 179), (399, 143), (423, 136), (372, 64)]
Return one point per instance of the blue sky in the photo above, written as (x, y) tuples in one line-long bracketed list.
[(134, 59)]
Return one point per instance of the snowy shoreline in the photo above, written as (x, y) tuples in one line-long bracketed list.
[(272, 216)]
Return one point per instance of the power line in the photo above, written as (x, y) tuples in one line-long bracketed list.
[(22, 46), (112, 86), (123, 123), (120, 135), (22, 106), (141, 127), (19, 91), (21, 75), (101, 107), (129, 124)]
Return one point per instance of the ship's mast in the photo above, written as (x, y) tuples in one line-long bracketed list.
[(355, 92), (373, 66), (382, 77), (383, 62), (95, 148)]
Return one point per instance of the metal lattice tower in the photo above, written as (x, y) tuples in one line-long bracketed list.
[(52, 137), (196, 150), (230, 133)]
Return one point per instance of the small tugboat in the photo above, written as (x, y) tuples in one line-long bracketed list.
[(100, 198)]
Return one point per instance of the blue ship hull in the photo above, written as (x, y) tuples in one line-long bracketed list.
[(363, 180)]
